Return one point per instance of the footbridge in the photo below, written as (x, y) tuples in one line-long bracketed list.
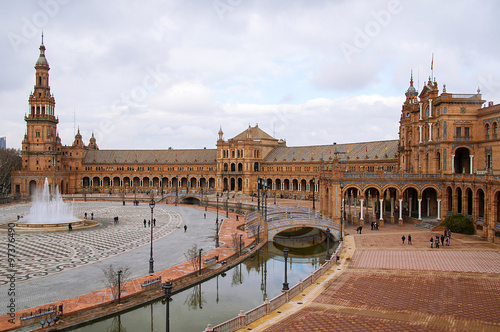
[(171, 198), (283, 218)]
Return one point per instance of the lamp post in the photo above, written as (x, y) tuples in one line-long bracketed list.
[(217, 224), (167, 287), (151, 262), (285, 284), (258, 194), (275, 198), (328, 244), (265, 205), (258, 233), (341, 211), (176, 189), (314, 204), (119, 282), (199, 269), (240, 243), (227, 205)]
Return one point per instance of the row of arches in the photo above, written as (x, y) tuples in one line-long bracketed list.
[(410, 203), (147, 183)]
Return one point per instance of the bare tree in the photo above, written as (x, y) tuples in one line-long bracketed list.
[(9, 159), (111, 275), (236, 239), (192, 256)]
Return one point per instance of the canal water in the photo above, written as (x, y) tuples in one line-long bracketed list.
[(221, 298)]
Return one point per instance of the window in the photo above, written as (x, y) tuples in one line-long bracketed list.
[(495, 128), (466, 132), (487, 129), (459, 132)]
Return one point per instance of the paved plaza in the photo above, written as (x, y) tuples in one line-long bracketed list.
[(52, 266), (384, 285)]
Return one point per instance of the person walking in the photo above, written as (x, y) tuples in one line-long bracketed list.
[(154, 222), (409, 239), (432, 241), (144, 223), (436, 242), (403, 238), (448, 241), (204, 216), (442, 240), (185, 228)]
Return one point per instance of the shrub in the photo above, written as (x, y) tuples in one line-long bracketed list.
[(458, 223)]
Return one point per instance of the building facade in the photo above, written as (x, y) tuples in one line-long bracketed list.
[(442, 163)]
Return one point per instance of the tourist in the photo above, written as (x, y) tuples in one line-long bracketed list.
[(154, 222), (409, 239), (442, 240), (85, 215), (185, 228), (436, 242), (149, 223), (70, 228), (360, 229), (432, 241), (204, 216), (91, 215), (448, 241), (144, 223), (403, 238)]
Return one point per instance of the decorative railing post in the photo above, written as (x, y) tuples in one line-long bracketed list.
[(242, 319), (209, 328), (268, 306), (301, 285)]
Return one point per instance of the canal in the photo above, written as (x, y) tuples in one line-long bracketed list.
[(220, 298)]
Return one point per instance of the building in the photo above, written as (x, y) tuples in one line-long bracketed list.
[(442, 163), (3, 143)]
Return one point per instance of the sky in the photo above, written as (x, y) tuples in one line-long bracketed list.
[(155, 74)]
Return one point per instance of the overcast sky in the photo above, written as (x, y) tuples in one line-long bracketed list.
[(158, 74)]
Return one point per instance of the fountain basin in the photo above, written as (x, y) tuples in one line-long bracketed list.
[(53, 227)]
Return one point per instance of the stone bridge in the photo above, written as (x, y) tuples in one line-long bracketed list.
[(280, 219), (172, 197)]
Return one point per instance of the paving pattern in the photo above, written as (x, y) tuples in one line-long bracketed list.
[(43, 254), (431, 260), (390, 286)]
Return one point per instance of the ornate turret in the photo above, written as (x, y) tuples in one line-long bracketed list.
[(220, 133), (93, 143)]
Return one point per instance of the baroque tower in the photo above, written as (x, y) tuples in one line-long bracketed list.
[(41, 145)]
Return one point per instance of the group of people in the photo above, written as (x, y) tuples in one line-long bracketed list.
[(149, 223), (374, 225), (444, 238), (404, 238)]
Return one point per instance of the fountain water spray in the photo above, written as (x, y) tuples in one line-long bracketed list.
[(49, 210)]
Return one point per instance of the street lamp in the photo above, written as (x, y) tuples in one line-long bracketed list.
[(119, 281), (227, 205), (167, 287), (151, 268), (176, 189), (217, 224), (199, 270), (258, 194), (328, 244), (313, 182), (240, 243), (341, 211), (285, 284), (274, 198)]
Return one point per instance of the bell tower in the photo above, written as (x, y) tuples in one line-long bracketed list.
[(41, 144)]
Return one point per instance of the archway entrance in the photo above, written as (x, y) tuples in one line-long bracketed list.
[(462, 161), (32, 187)]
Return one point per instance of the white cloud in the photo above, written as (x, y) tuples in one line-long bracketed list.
[(279, 64)]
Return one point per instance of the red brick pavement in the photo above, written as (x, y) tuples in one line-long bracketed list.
[(431, 260), (388, 286), (311, 319)]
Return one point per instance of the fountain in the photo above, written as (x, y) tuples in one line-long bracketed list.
[(51, 213), (49, 210)]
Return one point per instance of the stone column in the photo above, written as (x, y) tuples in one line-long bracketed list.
[(400, 220), (471, 164), (430, 132), (439, 210), (361, 218), (420, 209), (453, 163), (381, 213), (420, 133), (409, 205)]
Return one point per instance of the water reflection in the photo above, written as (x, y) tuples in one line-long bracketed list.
[(243, 287)]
